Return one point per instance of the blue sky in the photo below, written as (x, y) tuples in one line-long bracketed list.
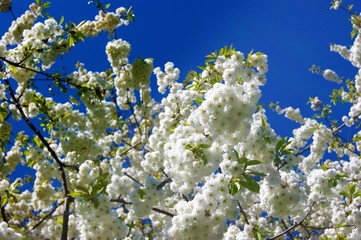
[(294, 34)]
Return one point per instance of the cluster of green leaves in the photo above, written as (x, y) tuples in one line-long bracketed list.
[(332, 182), (45, 107), (196, 79), (4, 135), (246, 177), (197, 150), (128, 15), (74, 35), (249, 62), (142, 225), (351, 192), (356, 21), (43, 6), (336, 95), (99, 5), (11, 193), (94, 189), (280, 151), (315, 69)]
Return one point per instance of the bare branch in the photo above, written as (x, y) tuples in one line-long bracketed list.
[(163, 212), (64, 233), (48, 215), (243, 213), (162, 184), (134, 180), (292, 227)]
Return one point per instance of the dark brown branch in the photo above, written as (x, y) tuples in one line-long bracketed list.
[(53, 154), (121, 200), (243, 213), (162, 184), (285, 225), (163, 212), (334, 131), (49, 76), (64, 232), (40, 136), (292, 227), (48, 215), (130, 148), (328, 227), (134, 180)]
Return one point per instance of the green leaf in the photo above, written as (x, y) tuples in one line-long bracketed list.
[(325, 167), (356, 138), (357, 194), (344, 193), (37, 141), (76, 194), (4, 199), (234, 188), (141, 193), (255, 173), (243, 160), (82, 189), (204, 158), (61, 20), (264, 123), (253, 162), (250, 184), (199, 101), (280, 143), (202, 67), (352, 189), (188, 146), (96, 202), (236, 153), (204, 146), (257, 235), (287, 151)]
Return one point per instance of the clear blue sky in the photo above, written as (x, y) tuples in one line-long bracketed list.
[(294, 34)]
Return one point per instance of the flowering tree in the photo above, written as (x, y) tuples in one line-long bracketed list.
[(204, 163)]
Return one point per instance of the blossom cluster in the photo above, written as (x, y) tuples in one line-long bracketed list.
[(203, 163)]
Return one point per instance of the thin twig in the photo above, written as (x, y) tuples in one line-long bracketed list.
[(163, 212), (48, 215), (119, 200), (243, 213), (162, 184), (285, 225), (134, 180), (292, 227)]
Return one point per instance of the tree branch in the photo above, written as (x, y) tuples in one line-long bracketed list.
[(292, 227), (121, 200), (163, 212), (40, 136), (243, 213), (53, 154), (134, 180), (64, 232), (47, 215), (162, 184)]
